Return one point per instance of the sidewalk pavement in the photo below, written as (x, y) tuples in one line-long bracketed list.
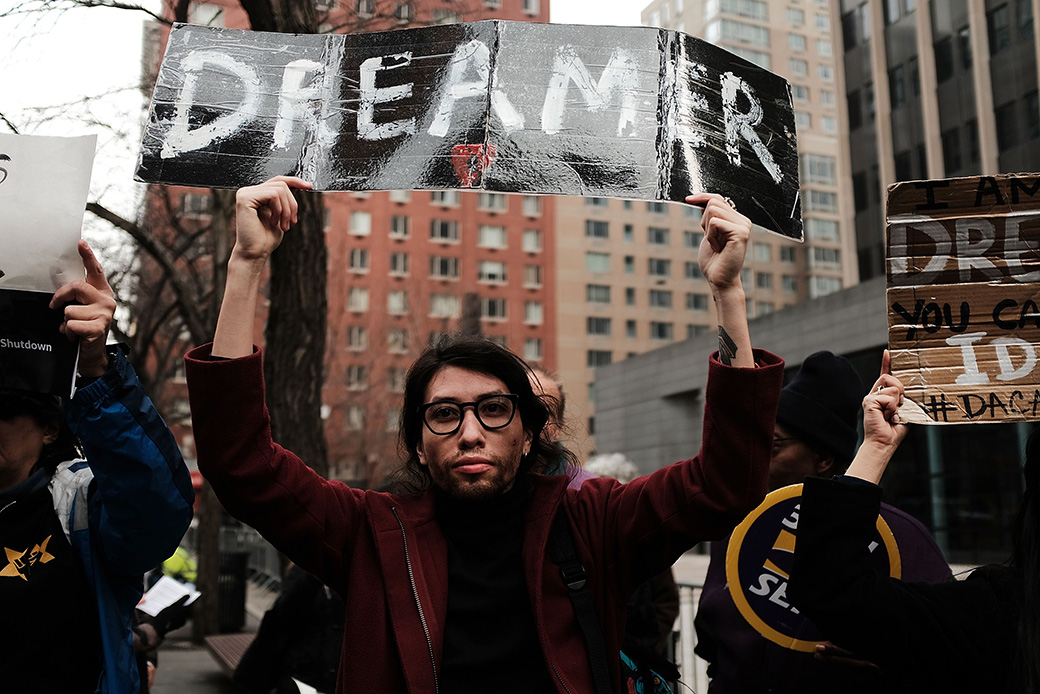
[(187, 668)]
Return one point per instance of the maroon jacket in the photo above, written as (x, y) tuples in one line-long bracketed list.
[(386, 556)]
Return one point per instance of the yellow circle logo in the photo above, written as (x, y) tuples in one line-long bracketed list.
[(758, 564)]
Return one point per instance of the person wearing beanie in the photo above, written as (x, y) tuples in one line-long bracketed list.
[(817, 421), (816, 435)]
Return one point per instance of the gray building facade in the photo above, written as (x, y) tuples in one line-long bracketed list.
[(962, 481), (935, 89)]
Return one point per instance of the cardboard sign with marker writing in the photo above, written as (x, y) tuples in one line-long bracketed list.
[(512, 107), (964, 297)]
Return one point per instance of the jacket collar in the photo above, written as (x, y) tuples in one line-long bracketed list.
[(413, 561)]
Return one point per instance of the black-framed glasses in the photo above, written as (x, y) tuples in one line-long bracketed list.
[(779, 442), (444, 417)]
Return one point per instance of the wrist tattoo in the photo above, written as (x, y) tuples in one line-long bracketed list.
[(727, 347)]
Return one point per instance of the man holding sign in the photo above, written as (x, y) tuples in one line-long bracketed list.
[(451, 587), (974, 635), (963, 321)]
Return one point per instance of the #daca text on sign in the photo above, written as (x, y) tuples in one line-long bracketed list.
[(963, 285)]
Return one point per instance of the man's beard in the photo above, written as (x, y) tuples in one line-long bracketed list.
[(476, 487)]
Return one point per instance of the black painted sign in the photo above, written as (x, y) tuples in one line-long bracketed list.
[(34, 354), (515, 107)]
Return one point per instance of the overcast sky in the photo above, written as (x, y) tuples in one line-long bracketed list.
[(64, 57), (619, 12)]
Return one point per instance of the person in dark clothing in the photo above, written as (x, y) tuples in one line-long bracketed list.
[(980, 634), (447, 583), (93, 492), (551, 391), (298, 638), (815, 435), (149, 633), (654, 606)]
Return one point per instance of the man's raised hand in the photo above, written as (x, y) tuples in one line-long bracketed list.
[(721, 258), (726, 233), (263, 214)]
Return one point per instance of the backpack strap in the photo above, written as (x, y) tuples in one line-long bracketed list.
[(565, 555)]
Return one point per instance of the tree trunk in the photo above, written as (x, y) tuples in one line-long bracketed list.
[(294, 360), (205, 615), (469, 322)]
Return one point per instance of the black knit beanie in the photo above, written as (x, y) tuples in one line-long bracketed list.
[(821, 405), (42, 406)]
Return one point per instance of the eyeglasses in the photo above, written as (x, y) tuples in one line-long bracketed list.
[(778, 442), (444, 417)]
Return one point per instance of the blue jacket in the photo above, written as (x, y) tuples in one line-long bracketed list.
[(126, 510)]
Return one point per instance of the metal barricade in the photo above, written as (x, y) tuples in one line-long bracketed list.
[(265, 569), (692, 669)]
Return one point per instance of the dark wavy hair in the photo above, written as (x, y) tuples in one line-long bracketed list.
[(478, 354), (1026, 560)]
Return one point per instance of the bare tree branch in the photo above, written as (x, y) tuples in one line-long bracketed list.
[(192, 317), (9, 124), (39, 6)]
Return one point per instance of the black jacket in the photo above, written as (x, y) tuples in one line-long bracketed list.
[(299, 637), (956, 636)]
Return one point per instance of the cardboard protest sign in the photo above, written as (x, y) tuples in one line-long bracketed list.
[(515, 107), (963, 285), (43, 192), (758, 565)]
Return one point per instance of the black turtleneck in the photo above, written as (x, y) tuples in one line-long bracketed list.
[(490, 640)]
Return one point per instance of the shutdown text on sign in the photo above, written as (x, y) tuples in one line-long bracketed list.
[(505, 106), (964, 297)]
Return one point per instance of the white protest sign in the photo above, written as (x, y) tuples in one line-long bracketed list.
[(43, 191)]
